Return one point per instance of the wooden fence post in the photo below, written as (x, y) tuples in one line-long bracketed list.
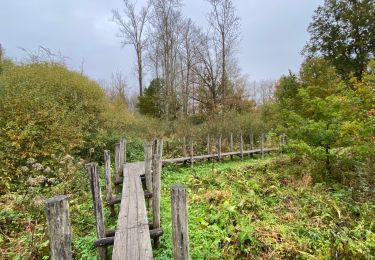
[(191, 152), (160, 151), (59, 229), (92, 170), (117, 167), (122, 157), (241, 146), (219, 148), (156, 195), (155, 147), (184, 153), (148, 162), (108, 184), (231, 145), (179, 223), (251, 141), (262, 144), (208, 145)]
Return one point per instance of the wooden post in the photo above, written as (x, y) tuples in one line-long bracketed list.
[(156, 180), (148, 162), (160, 152), (179, 223), (251, 141), (184, 153), (231, 145), (92, 170), (219, 148), (122, 157), (241, 146), (117, 167), (59, 229), (108, 184), (208, 145), (155, 148), (262, 144), (191, 152)]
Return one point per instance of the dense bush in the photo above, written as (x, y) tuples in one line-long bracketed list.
[(45, 110)]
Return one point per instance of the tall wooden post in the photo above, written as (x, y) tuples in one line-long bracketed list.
[(241, 146), (231, 145), (161, 145), (59, 229), (156, 180), (262, 144), (148, 163), (108, 184), (122, 157), (251, 141), (155, 147), (117, 168), (191, 152), (180, 233), (92, 170), (184, 153), (219, 148)]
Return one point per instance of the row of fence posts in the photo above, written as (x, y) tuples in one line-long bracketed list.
[(57, 208)]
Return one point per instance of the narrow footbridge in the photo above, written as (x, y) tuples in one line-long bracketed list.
[(132, 236)]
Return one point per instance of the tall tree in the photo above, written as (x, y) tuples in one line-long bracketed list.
[(166, 21), (132, 30), (225, 24), (343, 32)]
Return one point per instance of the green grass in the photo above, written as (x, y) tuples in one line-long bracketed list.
[(267, 208)]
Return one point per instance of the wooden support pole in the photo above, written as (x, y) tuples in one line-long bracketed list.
[(155, 148), (241, 146), (184, 152), (156, 180), (179, 223), (108, 183), (92, 170), (251, 141), (262, 144), (117, 168), (208, 146), (160, 152), (219, 148), (122, 157), (148, 164), (231, 145), (191, 152), (59, 229)]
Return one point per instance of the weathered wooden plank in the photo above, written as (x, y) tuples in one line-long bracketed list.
[(59, 229), (132, 238), (179, 223)]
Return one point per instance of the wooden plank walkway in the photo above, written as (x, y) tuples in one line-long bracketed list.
[(209, 156), (132, 237)]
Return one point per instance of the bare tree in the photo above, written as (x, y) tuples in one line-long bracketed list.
[(166, 21), (118, 86), (132, 30), (225, 24)]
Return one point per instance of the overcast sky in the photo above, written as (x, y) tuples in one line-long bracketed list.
[(273, 33)]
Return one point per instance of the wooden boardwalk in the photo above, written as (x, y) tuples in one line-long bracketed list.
[(132, 237), (216, 156)]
